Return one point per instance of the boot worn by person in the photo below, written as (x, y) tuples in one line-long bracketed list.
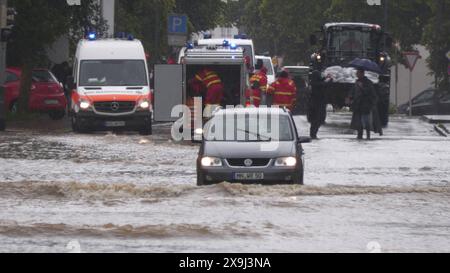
[(360, 135), (368, 134)]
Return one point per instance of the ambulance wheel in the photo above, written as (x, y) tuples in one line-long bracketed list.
[(76, 127), (147, 131)]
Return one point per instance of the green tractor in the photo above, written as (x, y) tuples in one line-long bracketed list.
[(341, 43)]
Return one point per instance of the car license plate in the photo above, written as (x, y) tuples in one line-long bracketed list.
[(115, 123), (51, 102), (249, 176)]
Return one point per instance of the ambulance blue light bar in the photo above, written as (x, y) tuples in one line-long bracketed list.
[(92, 36), (189, 45)]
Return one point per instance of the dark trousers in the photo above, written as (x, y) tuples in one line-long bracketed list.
[(317, 118)]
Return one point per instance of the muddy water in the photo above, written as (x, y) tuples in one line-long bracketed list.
[(126, 193)]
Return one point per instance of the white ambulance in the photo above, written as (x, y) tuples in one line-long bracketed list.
[(239, 40), (111, 88)]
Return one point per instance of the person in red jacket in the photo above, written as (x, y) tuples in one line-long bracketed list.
[(283, 91), (258, 88), (210, 82)]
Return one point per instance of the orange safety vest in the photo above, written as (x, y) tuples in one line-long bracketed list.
[(213, 84), (253, 95), (208, 78), (284, 93)]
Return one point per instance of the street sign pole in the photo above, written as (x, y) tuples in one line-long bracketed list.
[(3, 23), (411, 58), (410, 93), (3, 18), (448, 68)]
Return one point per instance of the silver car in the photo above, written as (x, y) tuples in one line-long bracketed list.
[(251, 145)]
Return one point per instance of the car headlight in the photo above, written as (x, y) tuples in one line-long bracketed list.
[(286, 162), (144, 104), (85, 104), (211, 162)]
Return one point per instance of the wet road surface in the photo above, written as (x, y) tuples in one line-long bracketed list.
[(106, 192)]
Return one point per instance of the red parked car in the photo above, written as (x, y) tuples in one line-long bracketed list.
[(47, 94)]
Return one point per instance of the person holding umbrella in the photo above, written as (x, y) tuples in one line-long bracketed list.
[(364, 100)]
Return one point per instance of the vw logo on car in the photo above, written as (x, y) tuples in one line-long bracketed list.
[(248, 162)]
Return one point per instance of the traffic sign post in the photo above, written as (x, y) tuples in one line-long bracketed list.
[(411, 58), (448, 57), (177, 29), (3, 23)]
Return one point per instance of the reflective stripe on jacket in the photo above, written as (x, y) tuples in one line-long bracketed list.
[(284, 92)]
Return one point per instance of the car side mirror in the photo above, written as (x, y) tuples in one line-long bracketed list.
[(313, 39), (302, 140)]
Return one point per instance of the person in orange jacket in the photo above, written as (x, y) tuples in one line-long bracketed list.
[(210, 82), (258, 87), (283, 91)]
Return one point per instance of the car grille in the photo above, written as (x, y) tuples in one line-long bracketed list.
[(115, 107), (256, 162)]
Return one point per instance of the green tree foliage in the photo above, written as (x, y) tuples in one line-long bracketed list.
[(406, 18), (38, 24), (203, 14), (147, 19), (282, 27), (437, 40)]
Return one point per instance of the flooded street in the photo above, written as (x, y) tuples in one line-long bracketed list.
[(62, 192)]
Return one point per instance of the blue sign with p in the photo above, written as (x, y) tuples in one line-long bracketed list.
[(178, 24)]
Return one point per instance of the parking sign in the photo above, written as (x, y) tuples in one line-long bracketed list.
[(177, 24)]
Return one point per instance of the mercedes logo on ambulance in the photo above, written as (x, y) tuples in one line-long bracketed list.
[(115, 106)]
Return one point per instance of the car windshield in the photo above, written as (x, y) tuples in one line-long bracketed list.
[(247, 127), (269, 66), (348, 44), (424, 97), (446, 97), (43, 76), (113, 73)]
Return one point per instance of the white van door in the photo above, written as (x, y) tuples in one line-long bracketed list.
[(168, 91)]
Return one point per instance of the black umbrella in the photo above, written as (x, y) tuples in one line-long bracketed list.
[(366, 65)]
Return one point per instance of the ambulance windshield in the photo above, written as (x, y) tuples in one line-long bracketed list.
[(113, 73)]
